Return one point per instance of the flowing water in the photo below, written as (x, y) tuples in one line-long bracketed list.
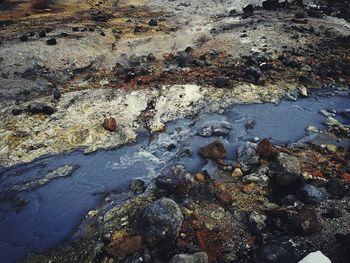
[(50, 212)]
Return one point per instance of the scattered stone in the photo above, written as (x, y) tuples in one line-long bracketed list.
[(315, 257), (247, 155), (153, 22), (137, 186), (310, 194), (110, 124), (175, 180), (265, 148), (51, 42), (36, 108), (256, 222), (160, 221), (215, 150), (276, 251), (287, 169), (42, 34), (199, 257)]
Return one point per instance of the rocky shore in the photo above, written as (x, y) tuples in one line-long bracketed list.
[(93, 75)]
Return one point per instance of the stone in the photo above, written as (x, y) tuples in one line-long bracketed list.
[(276, 251), (56, 94), (160, 221), (221, 82), (265, 148), (175, 180), (199, 257), (253, 73), (310, 194), (184, 59), (256, 222), (260, 177), (248, 188), (142, 256), (23, 38), (137, 186), (303, 91), (110, 124), (42, 34), (332, 213), (215, 150), (248, 9), (330, 121), (270, 4), (36, 108), (248, 155), (315, 257), (331, 148), (51, 42), (237, 172), (153, 22), (287, 169), (336, 188), (304, 222)]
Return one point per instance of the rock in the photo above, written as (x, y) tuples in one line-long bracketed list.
[(310, 194), (304, 222), (23, 38), (153, 22), (199, 257), (265, 148), (330, 121), (184, 59), (36, 108), (248, 155), (276, 251), (143, 256), (237, 172), (110, 124), (175, 180), (253, 74), (315, 257), (42, 34), (56, 94), (331, 148), (303, 91), (224, 197), (248, 9), (332, 213), (137, 186), (346, 113), (221, 82), (16, 112), (287, 169), (248, 188), (270, 4), (256, 222), (160, 221), (51, 42), (215, 150), (336, 188), (260, 177), (344, 240)]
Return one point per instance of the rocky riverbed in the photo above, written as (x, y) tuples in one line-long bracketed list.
[(174, 131)]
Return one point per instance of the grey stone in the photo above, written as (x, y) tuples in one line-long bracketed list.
[(199, 257), (248, 155), (311, 194), (287, 169)]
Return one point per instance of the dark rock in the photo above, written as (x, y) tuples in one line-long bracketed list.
[(304, 222), (56, 94), (175, 180), (310, 194), (51, 42), (99, 16), (153, 22), (270, 4), (184, 59), (160, 221), (276, 251), (23, 38), (287, 169), (75, 29), (42, 33), (221, 82), (110, 124), (32, 34), (248, 155), (332, 213), (137, 186), (63, 34), (344, 240), (336, 188), (16, 112), (91, 29), (253, 73), (102, 34), (215, 150), (256, 222), (36, 108), (248, 9), (265, 148), (199, 257), (171, 147), (143, 256), (299, 15)]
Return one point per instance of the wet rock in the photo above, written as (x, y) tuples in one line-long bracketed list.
[(304, 222), (215, 150), (175, 180), (160, 221), (287, 169), (36, 108), (153, 22), (276, 251), (336, 188), (248, 155), (110, 124), (315, 257), (137, 186), (256, 222), (310, 194), (199, 257), (221, 82), (330, 121), (218, 129), (265, 148), (51, 42), (270, 4)]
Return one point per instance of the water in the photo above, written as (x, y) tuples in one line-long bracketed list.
[(54, 210)]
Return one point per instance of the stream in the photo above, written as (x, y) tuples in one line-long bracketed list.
[(40, 209)]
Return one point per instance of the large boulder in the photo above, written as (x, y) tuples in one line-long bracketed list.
[(287, 169), (199, 257), (160, 221), (248, 155)]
